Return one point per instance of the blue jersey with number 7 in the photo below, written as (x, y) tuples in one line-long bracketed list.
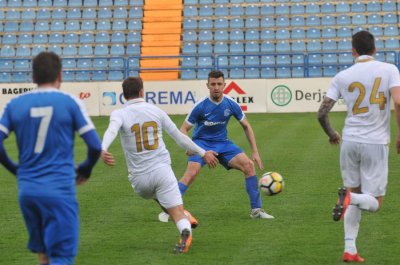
[(44, 122)]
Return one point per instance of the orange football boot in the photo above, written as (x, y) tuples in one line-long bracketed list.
[(341, 204), (347, 257), (184, 242), (193, 221)]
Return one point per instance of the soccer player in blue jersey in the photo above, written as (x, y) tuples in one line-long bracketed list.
[(210, 117), (44, 121)]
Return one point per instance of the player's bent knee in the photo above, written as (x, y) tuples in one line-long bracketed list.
[(248, 168)]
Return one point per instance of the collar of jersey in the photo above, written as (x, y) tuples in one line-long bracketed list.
[(216, 103), (364, 58), (135, 100)]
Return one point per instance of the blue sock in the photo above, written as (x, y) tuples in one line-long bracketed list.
[(182, 188), (252, 191)]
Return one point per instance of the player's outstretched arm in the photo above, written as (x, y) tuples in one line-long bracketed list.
[(107, 158), (248, 130), (395, 91), (84, 170), (4, 159), (326, 106)]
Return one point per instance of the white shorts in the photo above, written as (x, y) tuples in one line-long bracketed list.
[(365, 165), (160, 184)]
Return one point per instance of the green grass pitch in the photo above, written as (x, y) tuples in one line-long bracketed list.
[(118, 227)]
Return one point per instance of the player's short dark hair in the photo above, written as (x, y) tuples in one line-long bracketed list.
[(46, 68), (215, 74), (363, 42), (131, 87)]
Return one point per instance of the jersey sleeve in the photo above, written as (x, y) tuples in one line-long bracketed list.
[(112, 130), (193, 115), (334, 89), (394, 77), (83, 123), (237, 111), (5, 121)]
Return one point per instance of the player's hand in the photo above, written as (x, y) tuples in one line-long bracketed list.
[(80, 177), (210, 157), (107, 158), (257, 159), (335, 138)]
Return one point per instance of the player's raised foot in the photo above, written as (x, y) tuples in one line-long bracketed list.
[(347, 257), (260, 213), (163, 217), (341, 204), (184, 242), (193, 221)]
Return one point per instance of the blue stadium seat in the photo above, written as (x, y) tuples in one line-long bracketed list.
[(359, 19), (268, 47), (11, 26), (134, 24), (56, 38), (7, 51), (25, 39), (268, 72), (392, 43), (20, 77), (74, 13), (100, 63), (344, 45), (391, 31), (329, 45), (297, 9), (357, 29), (104, 12), (189, 23), (28, 14), (205, 23), (70, 50), (389, 6), (267, 22), (203, 2), (118, 36), (189, 35), (298, 72), (312, 8), (221, 35), (72, 25), (10, 39), (255, 35), (252, 10), (222, 61), (297, 21), (329, 58), (221, 23), (252, 22), (136, 12), (26, 26), (313, 33), (345, 58), (23, 51), (267, 60), (101, 50), (330, 71), (328, 20), (189, 62), (190, 11), (119, 24), (45, 3), (236, 10), (202, 73), (60, 3), (134, 36), (221, 10), (6, 65), (72, 38), (298, 33), (117, 64), (298, 59), (205, 35), (5, 77), (189, 48), (283, 60), (13, 14), (14, 3), (106, 3), (374, 19), (206, 11), (236, 23), (344, 32), (187, 74), (328, 8), (267, 10), (251, 47), (117, 50), (314, 58), (236, 73), (136, 2), (314, 46), (252, 73), (68, 76), (282, 21), (102, 37), (236, 35), (236, 61), (373, 6), (376, 31), (313, 21), (282, 34), (390, 18), (328, 33), (342, 7), (204, 61), (56, 48), (99, 75), (380, 56), (103, 24), (88, 25), (236, 47), (74, 3), (40, 38), (133, 49), (204, 48), (43, 13), (59, 13), (89, 3), (283, 72), (283, 46), (82, 76), (120, 12), (57, 25), (391, 57), (298, 46), (38, 49), (343, 20), (282, 9), (85, 50), (68, 63), (315, 71), (358, 7)]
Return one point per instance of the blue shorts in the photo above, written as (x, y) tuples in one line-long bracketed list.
[(226, 151), (53, 225)]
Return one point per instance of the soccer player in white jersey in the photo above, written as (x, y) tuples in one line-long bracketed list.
[(140, 125), (366, 87), (44, 121), (210, 117)]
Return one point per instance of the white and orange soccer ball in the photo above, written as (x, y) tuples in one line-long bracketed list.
[(271, 183)]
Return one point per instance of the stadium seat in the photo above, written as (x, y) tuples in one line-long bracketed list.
[(116, 75), (314, 58), (267, 22), (23, 51), (205, 35), (74, 13), (206, 11), (106, 3), (236, 61), (136, 2), (342, 7), (104, 13), (298, 46), (99, 75), (345, 58), (220, 47), (268, 47), (56, 38), (389, 6), (282, 21), (57, 25), (102, 37), (282, 9), (267, 10), (89, 3), (117, 50), (28, 14), (14, 3), (315, 71), (236, 10), (391, 31), (68, 63), (329, 45), (390, 18), (135, 12), (283, 72), (344, 45), (189, 35), (236, 47), (283, 46), (56, 48), (59, 13), (236, 23), (43, 13), (343, 20), (134, 24), (236, 35), (252, 22), (221, 11), (221, 23), (374, 19), (313, 33), (190, 11), (204, 48), (119, 24), (255, 35), (298, 33), (251, 47), (328, 8), (252, 73), (392, 43), (85, 50), (11, 26), (74, 3), (391, 57), (20, 77), (329, 58), (118, 37), (84, 63), (282, 34), (358, 7), (25, 26), (72, 25), (100, 63), (189, 62), (10, 39), (312, 8), (72, 38), (7, 51), (205, 23), (313, 21), (45, 3), (267, 60), (24, 39), (373, 6), (40, 39), (68, 76), (252, 10), (120, 13), (298, 72), (314, 46), (6, 65), (236, 73), (88, 25), (344, 32), (60, 3), (189, 48), (376, 31), (328, 20), (134, 37), (101, 50), (82, 76), (222, 61), (221, 35), (36, 49), (189, 23), (359, 19), (283, 60), (328, 33), (70, 50), (267, 72), (298, 59), (103, 24), (187, 74), (329, 71), (297, 9)]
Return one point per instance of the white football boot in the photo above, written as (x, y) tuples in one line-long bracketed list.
[(260, 213)]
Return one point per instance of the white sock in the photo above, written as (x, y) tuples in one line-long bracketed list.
[(364, 201), (183, 224), (352, 219)]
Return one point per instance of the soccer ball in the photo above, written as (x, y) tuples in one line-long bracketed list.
[(271, 183)]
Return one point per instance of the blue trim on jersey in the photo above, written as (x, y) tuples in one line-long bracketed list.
[(226, 151), (210, 119)]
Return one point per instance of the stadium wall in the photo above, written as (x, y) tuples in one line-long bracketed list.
[(178, 97)]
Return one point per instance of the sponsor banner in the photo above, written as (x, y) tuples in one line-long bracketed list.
[(10, 91), (87, 92), (298, 95)]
